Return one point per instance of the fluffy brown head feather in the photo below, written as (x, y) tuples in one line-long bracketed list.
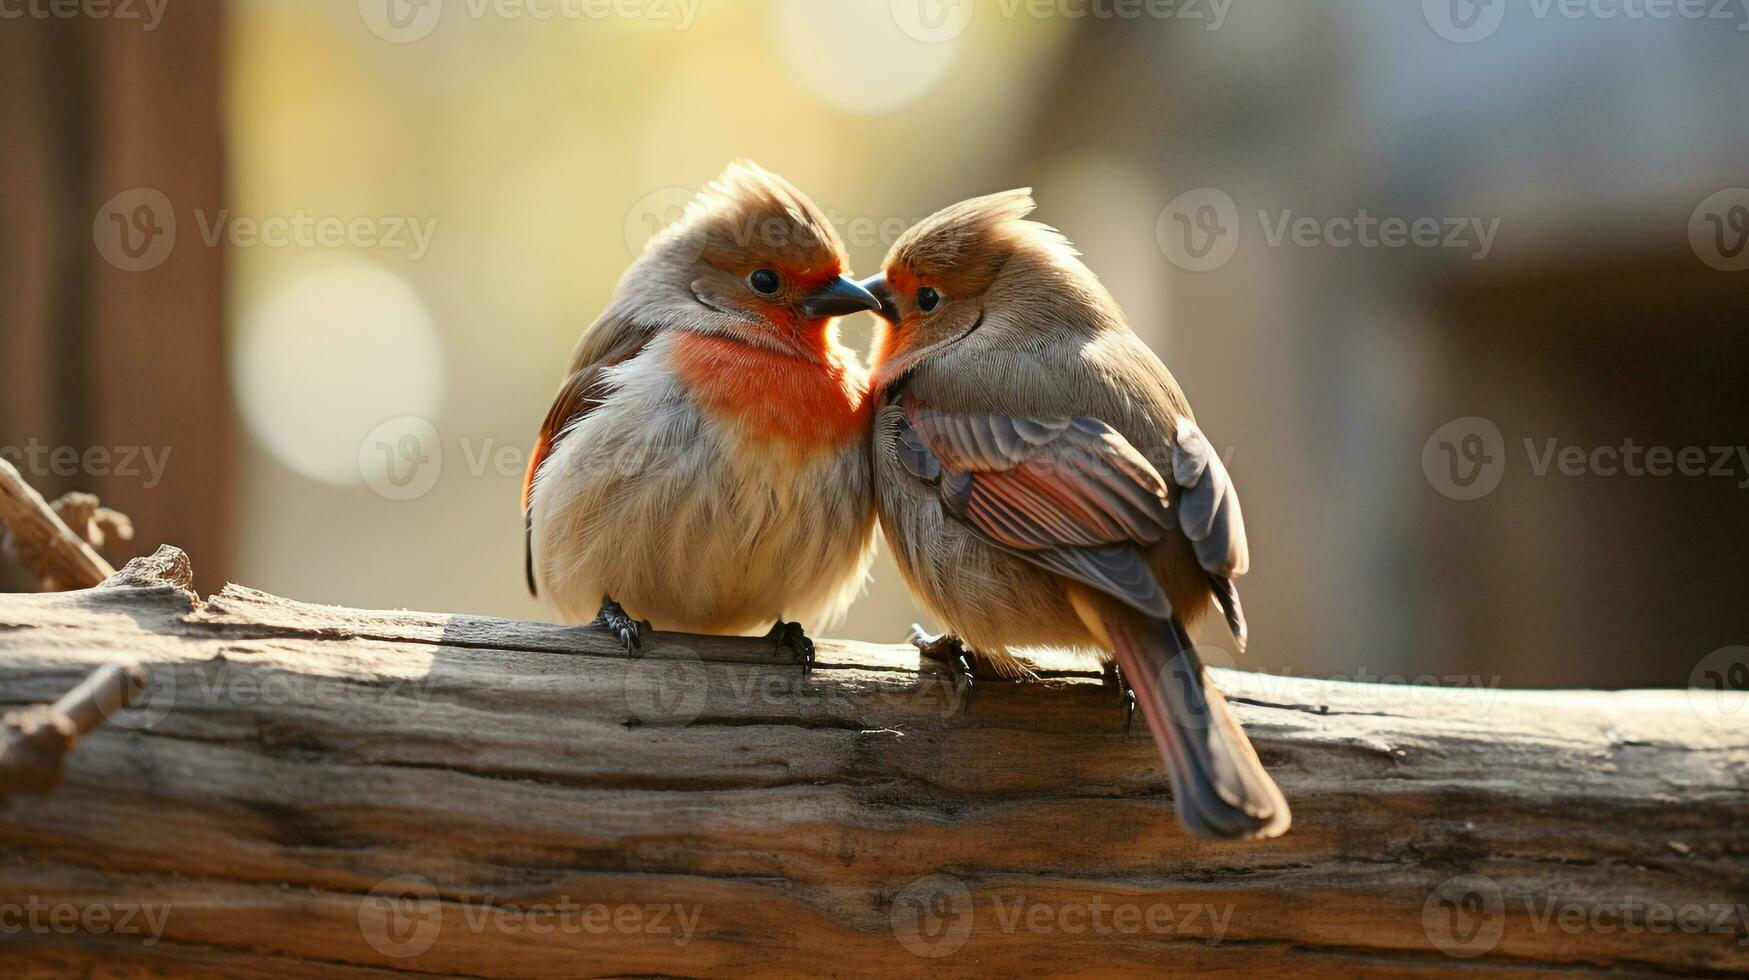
[(982, 264), (960, 248), (748, 218), (696, 275)]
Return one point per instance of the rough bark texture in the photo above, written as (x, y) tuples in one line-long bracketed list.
[(34, 741), (315, 790)]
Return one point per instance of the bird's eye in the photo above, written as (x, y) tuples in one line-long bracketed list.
[(763, 281), (928, 299)]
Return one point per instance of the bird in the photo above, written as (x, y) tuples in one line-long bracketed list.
[(705, 464), (1041, 481)]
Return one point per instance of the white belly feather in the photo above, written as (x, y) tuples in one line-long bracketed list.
[(686, 522)]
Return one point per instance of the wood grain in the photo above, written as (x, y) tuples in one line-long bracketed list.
[(62, 559), (315, 790)]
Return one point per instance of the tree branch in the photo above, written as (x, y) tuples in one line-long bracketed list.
[(317, 789), (42, 541), (35, 740)]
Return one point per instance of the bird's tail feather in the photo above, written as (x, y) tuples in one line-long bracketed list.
[(1220, 787)]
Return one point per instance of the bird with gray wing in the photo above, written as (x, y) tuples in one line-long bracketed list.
[(1042, 482)]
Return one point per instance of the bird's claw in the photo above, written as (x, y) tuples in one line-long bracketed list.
[(1114, 676), (964, 678), (615, 620), (942, 647), (791, 637), (950, 650)]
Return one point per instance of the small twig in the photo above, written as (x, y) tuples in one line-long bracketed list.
[(40, 539), (87, 518), (34, 741)]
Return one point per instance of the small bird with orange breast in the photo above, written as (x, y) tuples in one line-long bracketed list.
[(705, 464), (1042, 482)]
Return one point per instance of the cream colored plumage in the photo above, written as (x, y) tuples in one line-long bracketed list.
[(705, 465)]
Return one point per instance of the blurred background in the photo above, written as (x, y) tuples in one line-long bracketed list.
[(1457, 287)]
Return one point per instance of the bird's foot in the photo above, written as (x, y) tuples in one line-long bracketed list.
[(943, 648), (791, 638), (1114, 678), (950, 650), (614, 619)]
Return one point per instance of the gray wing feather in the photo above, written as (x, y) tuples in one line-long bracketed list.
[(1008, 479), (1208, 507), (914, 455), (1227, 594), (1117, 570)]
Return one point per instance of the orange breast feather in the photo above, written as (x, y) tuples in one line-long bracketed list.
[(806, 405)]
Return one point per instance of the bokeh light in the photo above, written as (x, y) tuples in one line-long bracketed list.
[(329, 353), (854, 53)]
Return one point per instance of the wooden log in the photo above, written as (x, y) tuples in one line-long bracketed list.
[(314, 790)]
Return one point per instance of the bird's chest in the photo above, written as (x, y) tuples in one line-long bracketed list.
[(772, 401), (655, 481)]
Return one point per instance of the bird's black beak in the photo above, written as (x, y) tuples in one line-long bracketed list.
[(877, 287), (837, 298)]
